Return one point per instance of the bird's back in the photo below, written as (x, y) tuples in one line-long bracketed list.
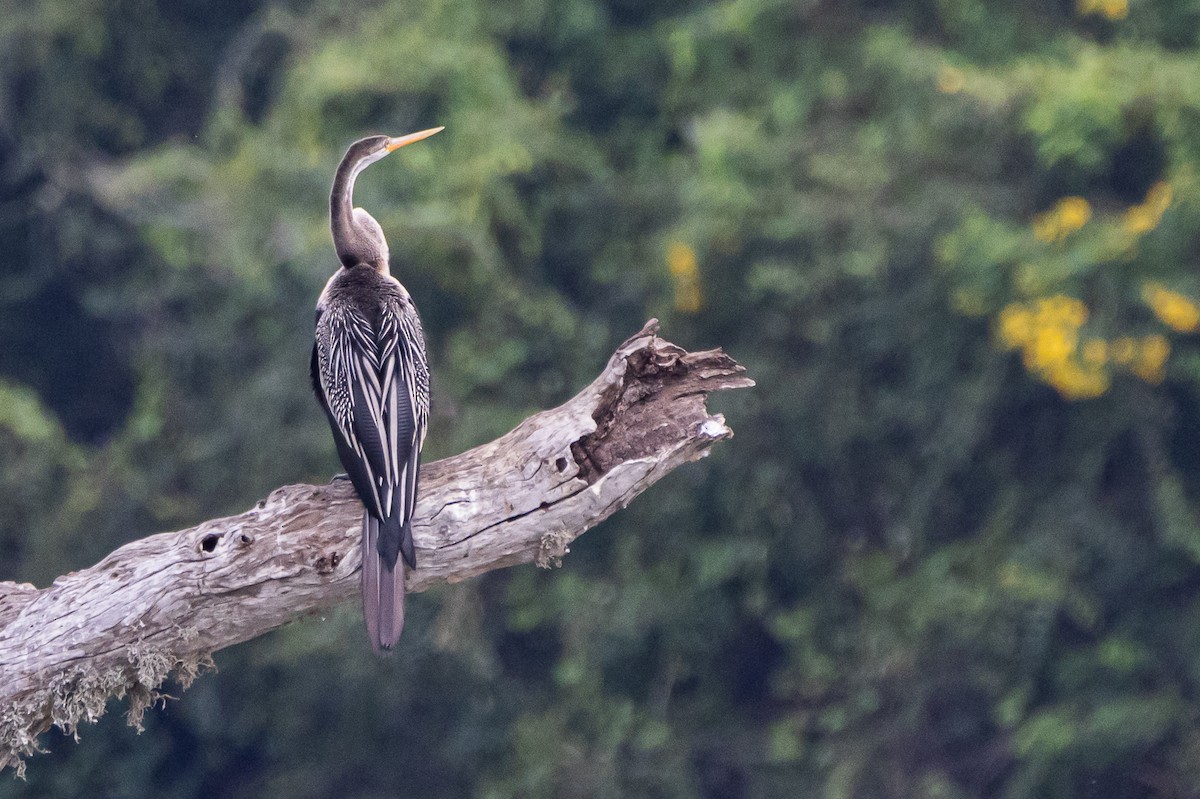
[(363, 289), (366, 322)]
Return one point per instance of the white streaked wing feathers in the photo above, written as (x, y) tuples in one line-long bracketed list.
[(402, 355), (383, 367)]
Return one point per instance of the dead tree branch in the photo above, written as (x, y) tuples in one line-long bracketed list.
[(160, 606)]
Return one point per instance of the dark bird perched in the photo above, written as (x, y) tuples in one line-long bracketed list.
[(371, 377)]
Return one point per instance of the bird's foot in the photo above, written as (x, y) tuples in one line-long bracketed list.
[(339, 476)]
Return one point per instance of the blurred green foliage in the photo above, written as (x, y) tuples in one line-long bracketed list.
[(953, 550)]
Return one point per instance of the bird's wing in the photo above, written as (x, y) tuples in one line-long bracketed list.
[(404, 380), (348, 366)]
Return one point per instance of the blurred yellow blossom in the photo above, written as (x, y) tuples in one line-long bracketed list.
[(1067, 216), (685, 273), (1145, 216), (1112, 9), (1151, 357), (1075, 381), (1022, 324), (1016, 326), (1174, 310), (1065, 310), (1047, 333), (1138, 220), (1050, 347), (1046, 330), (1159, 196), (950, 80), (1115, 9)]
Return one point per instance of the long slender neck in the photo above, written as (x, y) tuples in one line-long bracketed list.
[(341, 213)]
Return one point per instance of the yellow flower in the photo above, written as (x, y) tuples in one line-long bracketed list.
[(1074, 311), (1151, 358), (1016, 326), (1061, 310), (1067, 216), (1172, 309), (1076, 382), (1046, 331), (1114, 9), (1144, 217), (1045, 227), (1155, 349), (950, 80), (685, 273), (1074, 213), (1050, 346), (1159, 196), (1139, 220)]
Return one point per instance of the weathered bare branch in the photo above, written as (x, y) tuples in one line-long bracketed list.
[(160, 606)]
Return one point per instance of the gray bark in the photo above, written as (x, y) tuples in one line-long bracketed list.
[(158, 607)]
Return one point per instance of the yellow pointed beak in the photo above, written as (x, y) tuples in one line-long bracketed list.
[(400, 141)]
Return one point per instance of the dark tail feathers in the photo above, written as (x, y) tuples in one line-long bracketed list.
[(395, 540), (382, 589)]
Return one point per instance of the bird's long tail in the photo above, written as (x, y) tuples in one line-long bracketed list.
[(382, 590)]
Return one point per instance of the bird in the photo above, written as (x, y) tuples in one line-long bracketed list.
[(371, 376)]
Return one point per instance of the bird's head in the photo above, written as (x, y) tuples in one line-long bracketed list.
[(365, 152), (357, 237)]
